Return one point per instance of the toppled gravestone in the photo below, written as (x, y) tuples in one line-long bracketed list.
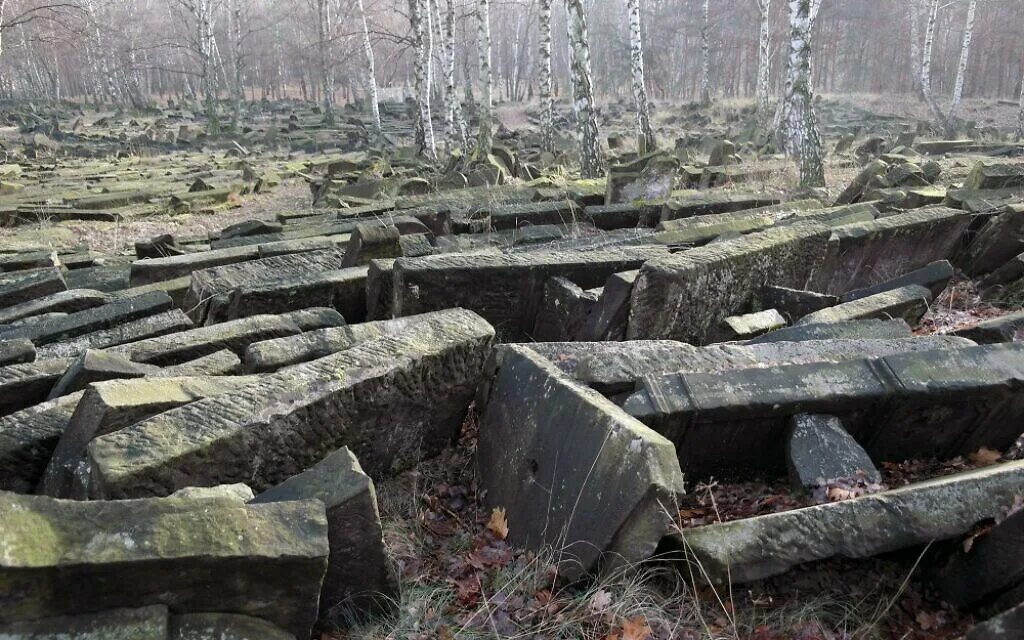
[(819, 450), (572, 470), (762, 546), (65, 557), (990, 574), (360, 578), (392, 400)]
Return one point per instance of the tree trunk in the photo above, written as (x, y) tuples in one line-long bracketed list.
[(237, 88), (800, 124), (419, 14), (926, 65), (485, 136), (705, 58), (914, 7), (636, 54), (591, 156), (1020, 114), (323, 32), (547, 104), (764, 62), (371, 74), (965, 53)]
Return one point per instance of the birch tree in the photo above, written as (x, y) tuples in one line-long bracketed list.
[(591, 156), (705, 58), (1020, 113), (371, 74), (547, 103), (636, 55), (926, 62), (965, 53), (454, 124), (324, 38), (914, 8), (485, 137), (237, 72), (764, 42), (799, 124), (419, 14)]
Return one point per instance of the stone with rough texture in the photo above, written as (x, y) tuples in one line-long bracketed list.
[(909, 303), (89, 320), (168, 322), (1008, 328), (819, 450), (748, 325), (992, 566), (795, 303), (18, 351), (360, 579), (23, 385), (1008, 625), (999, 241), (27, 439), (64, 557), (24, 286), (224, 626), (754, 548), (144, 623), (851, 330), (62, 301), (934, 277), (392, 400), (572, 470), (95, 366)]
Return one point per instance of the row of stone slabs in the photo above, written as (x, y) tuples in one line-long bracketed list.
[(541, 428)]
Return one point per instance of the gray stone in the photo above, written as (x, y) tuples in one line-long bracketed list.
[(795, 303), (754, 548), (1008, 625), (239, 491), (219, 363), (995, 175), (145, 623), (77, 324), (94, 366), (360, 579), (392, 400), (28, 438), (1000, 240), (24, 286), (688, 204), (564, 311), (66, 557), (1008, 328), (224, 626), (343, 289), (160, 324), (935, 277), (23, 385), (992, 567), (315, 318), (62, 302), (572, 470), (370, 241), (748, 325), (150, 270), (17, 351), (851, 330), (819, 450), (909, 302)]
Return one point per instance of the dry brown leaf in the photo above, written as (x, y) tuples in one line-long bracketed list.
[(599, 602), (985, 456), (498, 524), (635, 629)]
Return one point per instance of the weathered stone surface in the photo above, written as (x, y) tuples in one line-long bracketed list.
[(687, 204), (94, 366), (506, 290), (67, 557), (343, 289), (572, 470), (855, 190), (239, 491), (314, 318), (219, 363), (1008, 328), (564, 311), (98, 318), (819, 450), (1008, 625), (622, 216), (23, 385), (144, 623), (224, 626), (748, 325), (868, 253), (512, 216), (995, 175), (720, 279), (851, 330), (992, 566), (392, 400), (360, 578), (909, 302), (762, 546), (1000, 240), (935, 277), (617, 368), (17, 351), (149, 270), (235, 335), (160, 324), (110, 406), (28, 437), (795, 303), (370, 241), (609, 318), (62, 302), (24, 286), (922, 404)]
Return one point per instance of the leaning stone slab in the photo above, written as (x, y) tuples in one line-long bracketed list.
[(564, 311), (1008, 328), (23, 385), (696, 203), (992, 567), (149, 270), (360, 579), (1008, 625), (572, 470), (995, 175), (27, 439), (851, 330), (935, 277), (98, 318), (219, 363), (16, 351), (819, 450), (763, 546), (392, 400), (180, 347), (720, 279), (95, 366), (343, 289), (67, 557), (24, 286), (110, 406), (506, 290), (999, 241), (608, 319), (748, 325), (159, 324), (868, 253), (144, 623), (224, 626), (909, 303), (62, 302)]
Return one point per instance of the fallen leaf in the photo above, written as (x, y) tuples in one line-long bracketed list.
[(498, 524), (635, 629), (985, 456), (599, 602)]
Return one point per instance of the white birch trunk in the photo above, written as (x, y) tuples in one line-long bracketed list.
[(926, 64), (705, 58), (485, 138), (1020, 114), (764, 42), (547, 104), (323, 32), (803, 140), (636, 55), (965, 54), (914, 7), (371, 74), (591, 156), (424, 132)]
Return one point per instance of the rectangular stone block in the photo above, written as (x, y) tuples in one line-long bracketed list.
[(392, 400), (27, 439), (149, 270), (64, 557), (96, 319), (23, 385), (62, 302), (159, 324), (343, 289), (17, 351), (24, 286), (909, 302), (685, 204)]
